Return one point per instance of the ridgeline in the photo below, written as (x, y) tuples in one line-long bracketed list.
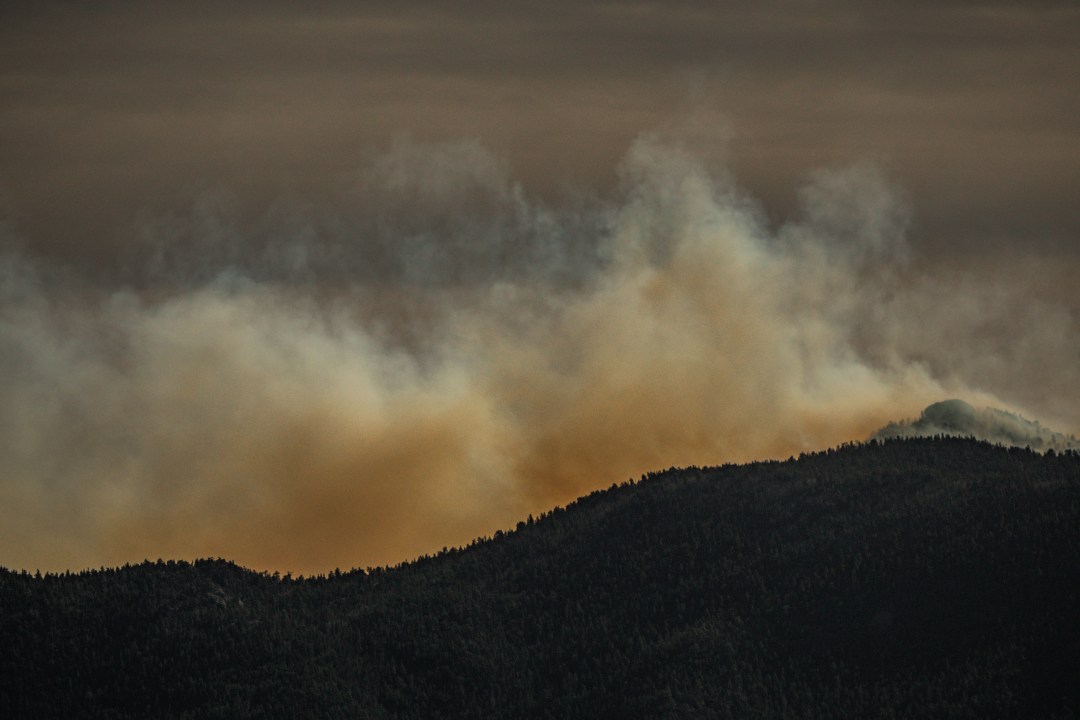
[(916, 578)]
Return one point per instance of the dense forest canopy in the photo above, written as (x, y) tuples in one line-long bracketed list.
[(916, 578)]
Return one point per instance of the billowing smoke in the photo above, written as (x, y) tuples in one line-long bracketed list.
[(434, 353), (958, 418)]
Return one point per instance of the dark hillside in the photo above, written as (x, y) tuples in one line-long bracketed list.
[(920, 578)]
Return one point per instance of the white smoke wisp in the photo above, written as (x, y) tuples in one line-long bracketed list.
[(383, 386), (959, 419)]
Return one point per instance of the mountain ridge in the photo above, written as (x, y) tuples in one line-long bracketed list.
[(918, 576), (955, 417)]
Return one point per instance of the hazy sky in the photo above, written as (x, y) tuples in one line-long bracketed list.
[(333, 284)]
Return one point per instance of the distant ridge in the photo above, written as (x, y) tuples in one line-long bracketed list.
[(957, 418)]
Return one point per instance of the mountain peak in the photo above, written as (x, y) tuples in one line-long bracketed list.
[(959, 418)]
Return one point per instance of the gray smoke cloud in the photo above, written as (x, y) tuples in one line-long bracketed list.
[(109, 108), (958, 418), (432, 352)]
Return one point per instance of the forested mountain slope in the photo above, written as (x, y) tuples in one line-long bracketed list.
[(919, 578)]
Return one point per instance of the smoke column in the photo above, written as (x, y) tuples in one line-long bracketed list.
[(434, 353)]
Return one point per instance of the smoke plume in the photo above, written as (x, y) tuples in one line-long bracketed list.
[(958, 418), (433, 353)]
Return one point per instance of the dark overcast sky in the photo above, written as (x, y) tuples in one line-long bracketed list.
[(115, 109)]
